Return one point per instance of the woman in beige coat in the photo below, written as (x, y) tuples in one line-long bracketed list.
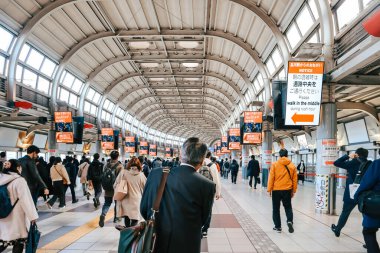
[(82, 174), (14, 228), (129, 207), (60, 179)]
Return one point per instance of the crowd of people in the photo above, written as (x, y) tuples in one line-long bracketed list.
[(192, 186)]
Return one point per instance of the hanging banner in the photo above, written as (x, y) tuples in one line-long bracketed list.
[(168, 152), (233, 139), (130, 144), (304, 93), (252, 127), (143, 150), (218, 148), (153, 150), (224, 148), (64, 127), (107, 139)]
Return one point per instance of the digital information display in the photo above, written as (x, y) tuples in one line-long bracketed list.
[(153, 150), (107, 139), (64, 127), (130, 144), (304, 93), (234, 139), (252, 127), (143, 150), (218, 148), (224, 148), (168, 152)]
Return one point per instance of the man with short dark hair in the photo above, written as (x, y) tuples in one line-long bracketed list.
[(352, 166), (31, 174), (94, 178), (3, 158), (253, 171), (282, 185), (186, 202), (145, 166)]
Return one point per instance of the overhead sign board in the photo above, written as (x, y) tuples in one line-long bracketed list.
[(234, 139), (224, 148), (252, 127), (143, 150), (304, 93), (107, 138), (64, 127), (168, 152), (218, 147), (153, 150), (130, 144)]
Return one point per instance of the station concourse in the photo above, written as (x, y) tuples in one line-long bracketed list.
[(246, 77)]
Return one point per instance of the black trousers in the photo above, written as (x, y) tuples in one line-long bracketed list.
[(18, 247), (72, 189), (234, 176), (250, 181), (301, 177), (129, 223), (370, 240), (59, 192), (286, 198), (97, 189), (346, 211)]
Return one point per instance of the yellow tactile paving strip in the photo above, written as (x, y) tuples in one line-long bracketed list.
[(69, 238)]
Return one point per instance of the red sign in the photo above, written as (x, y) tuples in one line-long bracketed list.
[(168, 152), (64, 127), (153, 150), (143, 150), (130, 144), (107, 139), (234, 139)]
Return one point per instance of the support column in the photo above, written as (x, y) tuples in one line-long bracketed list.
[(122, 150), (234, 155), (325, 187), (245, 159), (266, 155), (99, 144)]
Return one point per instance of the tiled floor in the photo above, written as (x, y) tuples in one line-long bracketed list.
[(242, 222)]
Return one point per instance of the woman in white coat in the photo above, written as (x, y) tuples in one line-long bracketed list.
[(14, 228), (129, 207)]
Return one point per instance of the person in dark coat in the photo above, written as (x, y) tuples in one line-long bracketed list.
[(352, 167), (45, 175), (94, 177), (234, 167), (48, 167), (370, 181), (253, 171), (186, 202), (301, 172), (72, 172), (30, 173)]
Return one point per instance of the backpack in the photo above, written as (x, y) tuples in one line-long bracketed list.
[(109, 177), (97, 172), (355, 185), (205, 171), (227, 165), (6, 206)]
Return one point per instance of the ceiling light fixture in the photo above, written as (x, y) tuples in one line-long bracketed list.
[(188, 44), (191, 79), (157, 79), (149, 64), (190, 64), (139, 44)]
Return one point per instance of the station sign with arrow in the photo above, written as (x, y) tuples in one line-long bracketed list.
[(304, 93)]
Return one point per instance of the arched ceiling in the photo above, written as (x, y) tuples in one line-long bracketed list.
[(191, 61)]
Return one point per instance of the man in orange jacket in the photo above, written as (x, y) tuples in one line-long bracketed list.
[(282, 186)]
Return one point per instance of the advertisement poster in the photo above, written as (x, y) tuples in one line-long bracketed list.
[(143, 150), (168, 152), (107, 139), (304, 93), (130, 144), (234, 139), (252, 127), (218, 148), (153, 150), (224, 148), (322, 192), (64, 127)]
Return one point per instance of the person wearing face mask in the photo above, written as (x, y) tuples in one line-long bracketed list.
[(14, 227), (301, 172)]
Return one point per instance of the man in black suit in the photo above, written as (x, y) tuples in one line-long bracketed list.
[(253, 171), (186, 203)]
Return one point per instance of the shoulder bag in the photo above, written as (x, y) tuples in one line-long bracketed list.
[(63, 178), (121, 189), (355, 185), (142, 238), (369, 203)]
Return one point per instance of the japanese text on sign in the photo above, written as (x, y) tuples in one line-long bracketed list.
[(143, 150), (252, 127), (107, 138), (130, 144), (234, 139), (64, 127)]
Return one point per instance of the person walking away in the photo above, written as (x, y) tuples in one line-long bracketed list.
[(14, 227), (226, 168), (176, 162), (129, 207), (45, 175), (60, 179), (145, 166), (82, 174), (186, 202), (30, 173), (352, 166), (253, 171), (157, 163), (234, 167), (211, 166), (282, 186), (72, 172), (370, 182), (3, 158), (94, 177), (111, 171), (48, 167), (301, 172), (213, 159)]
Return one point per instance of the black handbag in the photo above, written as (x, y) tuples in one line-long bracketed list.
[(369, 203), (142, 238), (33, 239), (258, 180)]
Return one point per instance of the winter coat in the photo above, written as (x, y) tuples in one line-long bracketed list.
[(31, 175), (279, 178), (44, 171), (234, 167), (186, 205), (58, 173), (72, 172), (352, 168), (253, 169), (370, 181), (95, 171), (16, 225), (82, 172), (215, 176), (130, 205), (301, 168)]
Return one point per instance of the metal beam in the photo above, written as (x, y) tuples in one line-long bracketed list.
[(158, 117), (371, 111), (205, 115), (360, 80)]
